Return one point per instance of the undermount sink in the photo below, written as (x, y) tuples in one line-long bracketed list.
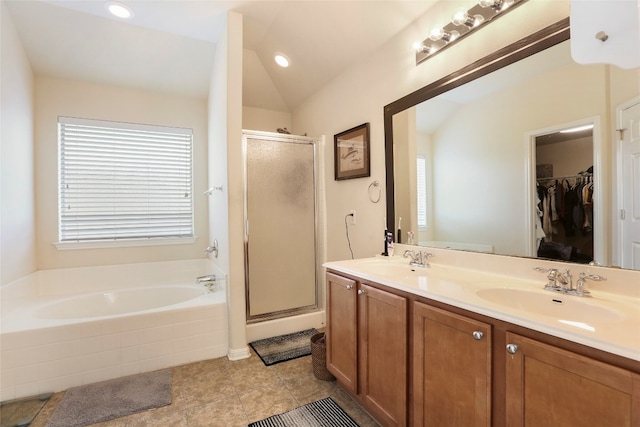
[(395, 270), (567, 309)]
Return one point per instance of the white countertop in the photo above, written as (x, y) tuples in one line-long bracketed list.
[(606, 321)]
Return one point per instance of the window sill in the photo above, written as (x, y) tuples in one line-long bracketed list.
[(124, 243)]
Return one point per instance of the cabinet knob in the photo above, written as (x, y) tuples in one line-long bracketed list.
[(360, 291), (512, 348), (477, 335), (349, 287)]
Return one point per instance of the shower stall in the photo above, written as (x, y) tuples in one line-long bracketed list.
[(280, 217)]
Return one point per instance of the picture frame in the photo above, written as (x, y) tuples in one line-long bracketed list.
[(352, 153)]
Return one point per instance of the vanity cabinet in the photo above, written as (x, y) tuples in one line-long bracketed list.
[(410, 360), (342, 335), (562, 388), (367, 346), (451, 369)]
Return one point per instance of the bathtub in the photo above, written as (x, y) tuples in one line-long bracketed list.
[(69, 327)]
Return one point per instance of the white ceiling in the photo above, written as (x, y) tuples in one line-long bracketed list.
[(169, 45)]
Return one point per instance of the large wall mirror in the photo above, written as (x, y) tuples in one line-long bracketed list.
[(490, 157)]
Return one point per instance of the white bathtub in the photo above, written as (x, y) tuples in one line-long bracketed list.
[(68, 327), (119, 301)]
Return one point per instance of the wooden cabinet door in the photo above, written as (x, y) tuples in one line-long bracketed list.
[(451, 378), (383, 354), (342, 323), (547, 386)]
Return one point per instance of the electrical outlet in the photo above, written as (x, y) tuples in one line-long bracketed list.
[(352, 218)]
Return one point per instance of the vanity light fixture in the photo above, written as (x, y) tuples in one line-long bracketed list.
[(281, 60), (462, 23), (118, 9)]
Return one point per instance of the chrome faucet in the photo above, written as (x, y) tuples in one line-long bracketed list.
[(581, 285), (417, 258), (566, 281), (562, 281), (212, 249), (209, 281)]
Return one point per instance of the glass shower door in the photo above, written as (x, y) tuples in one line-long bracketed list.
[(280, 225)]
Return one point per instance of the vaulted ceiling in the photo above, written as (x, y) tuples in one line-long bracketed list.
[(169, 45)]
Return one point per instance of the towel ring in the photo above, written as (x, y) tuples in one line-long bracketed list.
[(375, 184)]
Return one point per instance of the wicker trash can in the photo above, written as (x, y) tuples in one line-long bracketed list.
[(319, 357)]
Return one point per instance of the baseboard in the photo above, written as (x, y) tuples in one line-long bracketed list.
[(238, 353)]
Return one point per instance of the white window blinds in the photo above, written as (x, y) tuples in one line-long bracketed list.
[(421, 189), (123, 181)]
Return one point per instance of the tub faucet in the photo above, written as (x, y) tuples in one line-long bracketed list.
[(212, 249), (209, 281), (208, 278)]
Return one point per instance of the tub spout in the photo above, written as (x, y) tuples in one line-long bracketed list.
[(206, 279)]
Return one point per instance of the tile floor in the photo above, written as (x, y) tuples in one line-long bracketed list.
[(222, 393)]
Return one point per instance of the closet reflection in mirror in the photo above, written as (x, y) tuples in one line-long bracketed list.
[(474, 149), (565, 195)]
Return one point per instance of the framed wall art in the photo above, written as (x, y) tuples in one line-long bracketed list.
[(351, 153)]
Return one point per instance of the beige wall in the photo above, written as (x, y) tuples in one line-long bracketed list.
[(58, 97), (264, 120), (361, 92), (225, 167), (568, 157), (480, 181), (17, 200)]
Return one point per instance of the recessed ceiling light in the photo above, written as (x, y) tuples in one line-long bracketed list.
[(118, 9), (282, 60)]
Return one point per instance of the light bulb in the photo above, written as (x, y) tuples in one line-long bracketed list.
[(506, 4), (436, 34), (420, 47), (462, 17)]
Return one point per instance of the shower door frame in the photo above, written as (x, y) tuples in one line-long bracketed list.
[(285, 138)]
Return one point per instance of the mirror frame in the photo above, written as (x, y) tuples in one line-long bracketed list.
[(530, 45)]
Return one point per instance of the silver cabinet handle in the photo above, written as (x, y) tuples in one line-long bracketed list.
[(349, 287), (361, 292), (477, 335), (512, 348)]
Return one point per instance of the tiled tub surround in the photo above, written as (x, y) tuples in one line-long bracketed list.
[(458, 278), (60, 330)]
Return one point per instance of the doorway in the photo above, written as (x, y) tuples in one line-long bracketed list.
[(281, 256), (565, 185), (628, 206)]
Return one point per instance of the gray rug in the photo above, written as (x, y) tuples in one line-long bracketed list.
[(323, 413), (106, 400), (284, 347)]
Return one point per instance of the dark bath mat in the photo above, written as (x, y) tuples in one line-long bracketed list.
[(322, 413), (284, 347), (21, 412), (106, 400)]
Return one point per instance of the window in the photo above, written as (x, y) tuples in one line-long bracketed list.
[(123, 181), (421, 188)]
